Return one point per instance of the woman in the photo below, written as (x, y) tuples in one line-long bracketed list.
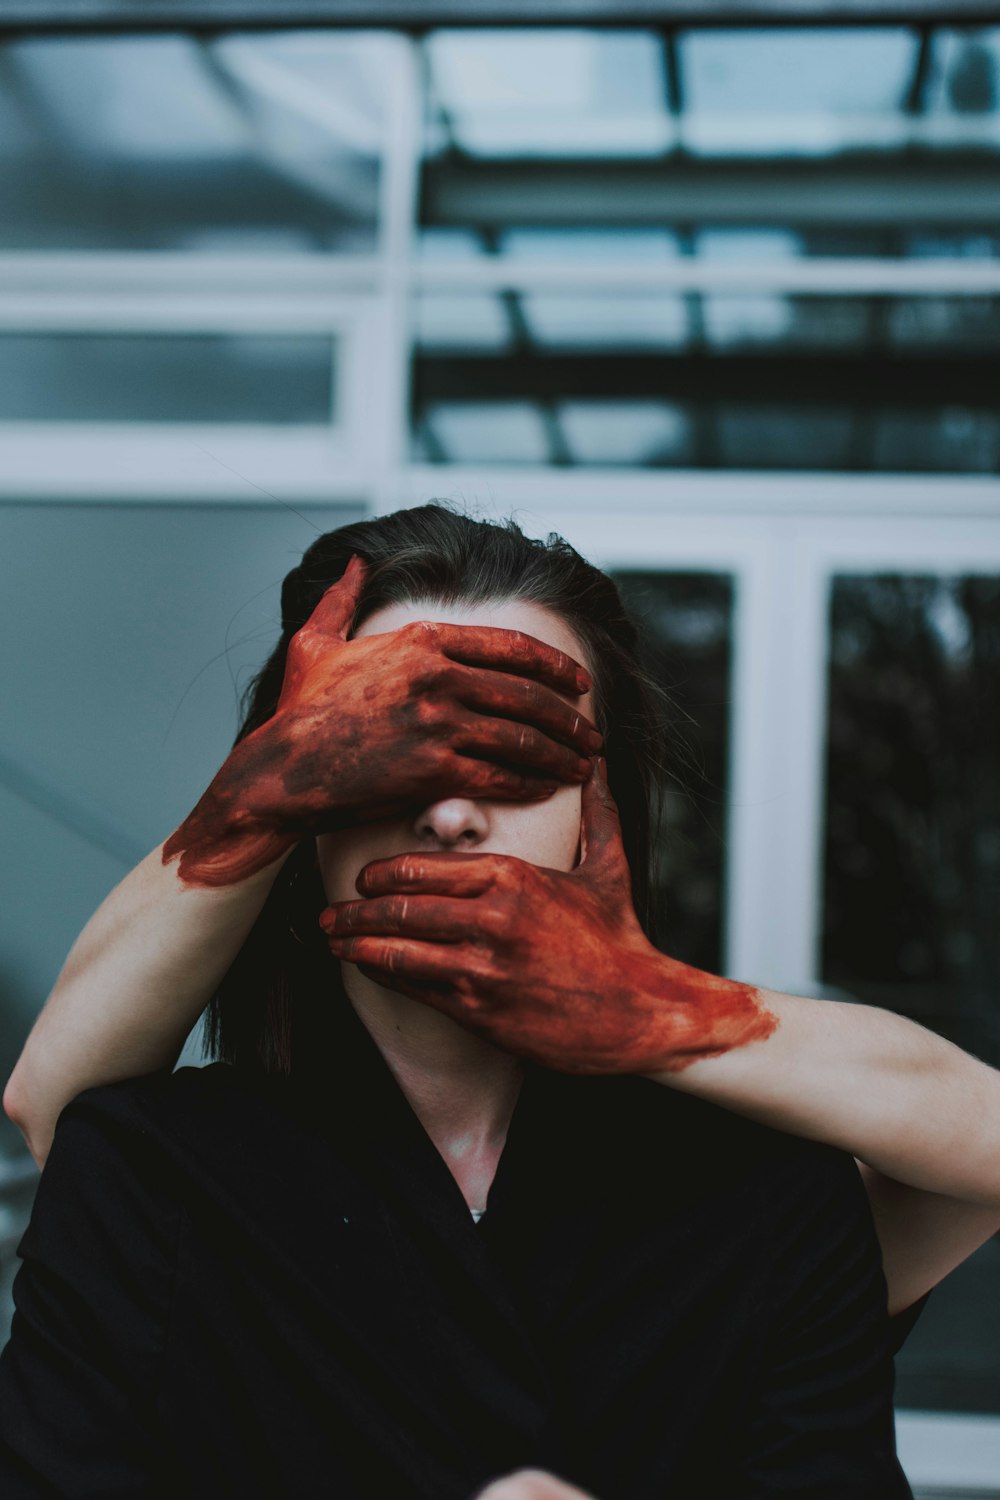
[(233, 901)]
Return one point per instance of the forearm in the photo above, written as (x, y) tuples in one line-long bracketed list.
[(903, 1100), (135, 982)]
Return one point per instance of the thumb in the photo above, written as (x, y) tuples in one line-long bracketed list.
[(602, 852), (335, 611)]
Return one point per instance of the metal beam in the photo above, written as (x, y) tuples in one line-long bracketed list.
[(422, 15), (905, 381), (853, 189)]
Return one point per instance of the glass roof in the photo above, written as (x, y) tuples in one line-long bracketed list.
[(545, 92), (890, 133), (764, 92), (239, 143)]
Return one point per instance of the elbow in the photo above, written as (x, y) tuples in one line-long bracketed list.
[(13, 1108)]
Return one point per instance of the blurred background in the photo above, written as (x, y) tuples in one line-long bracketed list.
[(712, 290)]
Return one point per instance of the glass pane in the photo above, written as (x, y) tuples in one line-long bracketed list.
[(689, 619), (236, 143), (634, 433), (470, 432), (166, 378), (963, 87), (912, 877), (556, 93), (719, 381), (793, 91), (642, 245), (912, 863), (659, 321)]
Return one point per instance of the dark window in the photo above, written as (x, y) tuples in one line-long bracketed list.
[(688, 619), (912, 869), (912, 858)]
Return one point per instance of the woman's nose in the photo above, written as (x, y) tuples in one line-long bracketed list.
[(453, 821)]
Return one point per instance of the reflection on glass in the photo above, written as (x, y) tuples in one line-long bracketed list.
[(475, 321), (238, 144), (688, 625), (166, 378), (649, 434), (971, 323), (546, 92), (767, 92), (793, 91), (768, 381), (753, 435), (634, 245), (965, 79), (912, 863), (644, 246), (506, 432), (634, 322), (912, 879), (952, 441)]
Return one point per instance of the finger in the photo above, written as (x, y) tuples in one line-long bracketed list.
[(406, 957), (520, 744), (601, 847), (461, 776), (335, 611), (513, 651), (503, 696), (447, 920), (431, 874), (479, 778)]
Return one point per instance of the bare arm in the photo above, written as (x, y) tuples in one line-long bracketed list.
[(135, 982), (363, 729), (921, 1116)]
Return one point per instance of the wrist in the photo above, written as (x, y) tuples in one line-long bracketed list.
[(236, 829), (697, 1015)]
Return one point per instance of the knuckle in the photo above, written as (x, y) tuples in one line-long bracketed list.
[(507, 880), (396, 908), (467, 986), (429, 713), (527, 739), (426, 631)]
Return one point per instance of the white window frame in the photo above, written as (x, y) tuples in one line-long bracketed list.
[(200, 460)]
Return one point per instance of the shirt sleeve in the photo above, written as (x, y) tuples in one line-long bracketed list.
[(821, 1422), (91, 1299)]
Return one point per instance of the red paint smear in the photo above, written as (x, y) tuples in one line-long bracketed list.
[(549, 964), (367, 728)]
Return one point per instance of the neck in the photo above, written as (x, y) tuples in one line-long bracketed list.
[(461, 1088)]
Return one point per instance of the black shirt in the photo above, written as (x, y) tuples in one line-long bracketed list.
[(236, 1288)]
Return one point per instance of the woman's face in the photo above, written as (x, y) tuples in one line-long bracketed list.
[(540, 832)]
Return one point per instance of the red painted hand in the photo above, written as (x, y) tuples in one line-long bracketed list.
[(366, 727), (549, 964)]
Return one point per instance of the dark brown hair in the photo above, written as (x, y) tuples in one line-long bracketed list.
[(269, 1006)]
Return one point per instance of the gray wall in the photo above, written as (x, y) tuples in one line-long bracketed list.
[(128, 632)]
